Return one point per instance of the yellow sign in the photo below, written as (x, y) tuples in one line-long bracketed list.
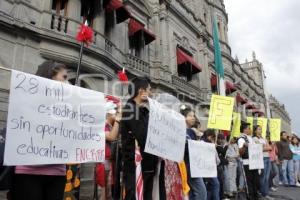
[(262, 122), (275, 128), (250, 121), (235, 132), (220, 113)]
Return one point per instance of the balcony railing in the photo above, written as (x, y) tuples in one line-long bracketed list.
[(185, 86), (138, 64), (108, 46), (59, 23)]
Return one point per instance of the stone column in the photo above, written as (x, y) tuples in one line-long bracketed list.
[(99, 22), (47, 5), (73, 14), (73, 9)]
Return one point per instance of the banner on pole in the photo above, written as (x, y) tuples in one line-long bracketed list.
[(220, 113), (50, 122), (262, 122), (166, 132), (202, 157), (275, 129), (256, 157), (236, 125)]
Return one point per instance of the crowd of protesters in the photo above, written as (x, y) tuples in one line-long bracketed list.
[(126, 132)]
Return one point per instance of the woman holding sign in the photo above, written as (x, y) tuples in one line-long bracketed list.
[(43, 182), (265, 175), (197, 186)]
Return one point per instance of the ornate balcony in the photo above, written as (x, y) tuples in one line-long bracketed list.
[(59, 23), (137, 64), (185, 86)]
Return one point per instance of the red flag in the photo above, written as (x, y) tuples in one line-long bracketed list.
[(123, 76), (138, 174)]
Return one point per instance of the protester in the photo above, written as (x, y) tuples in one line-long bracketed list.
[(134, 127), (274, 174), (252, 176), (265, 173), (285, 156), (197, 129), (197, 186), (222, 172), (232, 155), (295, 148), (43, 182), (212, 184), (113, 118)]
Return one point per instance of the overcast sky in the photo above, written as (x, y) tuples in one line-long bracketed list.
[(271, 28)]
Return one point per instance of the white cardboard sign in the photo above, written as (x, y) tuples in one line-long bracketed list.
[(256, 157), (202, 157), (50, 122), (166, 132)]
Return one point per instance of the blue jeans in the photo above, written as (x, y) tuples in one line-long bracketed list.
[(264, 177), (288, 172), (213, 189), (297, 170), (198, 189)]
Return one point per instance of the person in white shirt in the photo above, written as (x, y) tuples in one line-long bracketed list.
[(252, 176)]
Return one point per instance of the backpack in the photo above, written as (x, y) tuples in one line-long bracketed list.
[(246, 154)]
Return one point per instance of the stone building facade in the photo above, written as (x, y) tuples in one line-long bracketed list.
[(277, 110), (33, 31)]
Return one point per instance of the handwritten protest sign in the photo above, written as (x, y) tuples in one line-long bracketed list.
[(256, 157), (220, 113), (202, 159), (236, 125), (250, 121), (50, 122), (166, 132), (262, 122), (275, 129)]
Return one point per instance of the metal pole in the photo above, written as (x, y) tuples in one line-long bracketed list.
[(79, 64)]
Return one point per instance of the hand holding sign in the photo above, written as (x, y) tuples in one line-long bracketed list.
[(220, 113)]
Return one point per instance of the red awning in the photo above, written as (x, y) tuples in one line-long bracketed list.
[(183, 58), (213, 80), (136, 28), (241, 99), (250, 105), (230, 87), (122, 12), (260, 112)]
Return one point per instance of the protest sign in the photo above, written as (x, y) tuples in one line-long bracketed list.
[(202, 159), (250, 121), (262, 122), (50, 122), (220, 113), (275, 129), (166, 132), (236, 125), (256, 157)]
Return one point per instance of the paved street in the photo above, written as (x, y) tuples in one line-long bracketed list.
[(287, 193)]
